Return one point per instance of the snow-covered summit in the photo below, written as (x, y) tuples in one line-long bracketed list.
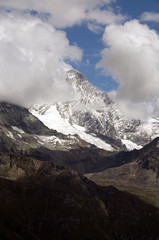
[(84, 91), (91, 114)]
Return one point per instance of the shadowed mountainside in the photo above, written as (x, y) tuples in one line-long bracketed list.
[(42, 200)]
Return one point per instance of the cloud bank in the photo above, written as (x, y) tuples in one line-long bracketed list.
[(131, 58), (62, 13), (33, 53), (32, 60)]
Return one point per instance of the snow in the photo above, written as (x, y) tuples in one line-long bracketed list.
[(17, 129), (10, 135), (95, 141), (147, 125), (131, 145), (56, 142), (151, 126), (79, 128), (52, 139), (53, 120)]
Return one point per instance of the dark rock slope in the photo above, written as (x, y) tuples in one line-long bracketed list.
[(42, 200), (16, 116)]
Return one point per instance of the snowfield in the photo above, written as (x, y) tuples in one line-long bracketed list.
[(53, 120)]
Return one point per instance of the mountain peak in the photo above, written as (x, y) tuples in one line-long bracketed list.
[(85, 89), (91, 111), (73, 76)]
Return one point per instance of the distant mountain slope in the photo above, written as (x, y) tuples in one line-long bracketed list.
[(92, 112), (142, 172)]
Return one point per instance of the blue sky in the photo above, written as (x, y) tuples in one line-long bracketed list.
[(92, 44), (136, 8)]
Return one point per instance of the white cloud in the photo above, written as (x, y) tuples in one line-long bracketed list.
[(131, 58), (136, 110), (32, 60), (104, 17), (67, 13), (150, 17), (33, 53), (94, 27)]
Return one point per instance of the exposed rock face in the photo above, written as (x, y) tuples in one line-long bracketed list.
[(19, 117), (149, 157)]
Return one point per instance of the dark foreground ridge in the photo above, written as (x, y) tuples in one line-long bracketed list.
[(42, 200)]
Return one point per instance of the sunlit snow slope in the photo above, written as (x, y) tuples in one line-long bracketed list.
[(52, 119)]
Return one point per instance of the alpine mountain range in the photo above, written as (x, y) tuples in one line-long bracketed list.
[(46, 149)]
